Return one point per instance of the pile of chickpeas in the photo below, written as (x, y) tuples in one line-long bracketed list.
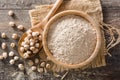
[(31, 44)]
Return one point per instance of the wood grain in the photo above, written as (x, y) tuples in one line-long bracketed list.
[(111, 11)]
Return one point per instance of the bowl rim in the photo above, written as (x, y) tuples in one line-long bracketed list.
[(98, 41)]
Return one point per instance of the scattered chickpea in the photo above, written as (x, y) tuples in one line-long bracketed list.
[(20, 27), (47, 65), (14, 36), (30, 63), (12, 45), (42, 64), (33, 68), (11, 24), (41, 70), (36, 60), (5, 55), (21, 66), (12, 61), (10, 13), (3, 35), (4, 45), (1, 57), (16, 58), (11, 53)]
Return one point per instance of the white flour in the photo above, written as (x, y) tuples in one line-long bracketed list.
[(71, 39)]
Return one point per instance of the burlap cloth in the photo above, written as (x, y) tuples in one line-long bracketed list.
[(91, 7)]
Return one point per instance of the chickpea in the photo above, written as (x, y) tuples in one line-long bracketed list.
[(20, 27), (12, 45), (14, 36), (28, 52), (37, 45), (42, 64), (33, 68), (12, 24), (25, 55), (12, 61), (5, 55), (30, 63), (36, 60), (21, 66), (3, 35), (22, 49), (47, 66), (32, 48), (41, 70), (11, 53), (16, 58), (10, 13), (29, 32), (4, 45)]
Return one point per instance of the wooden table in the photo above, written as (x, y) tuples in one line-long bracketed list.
[(111, 11)]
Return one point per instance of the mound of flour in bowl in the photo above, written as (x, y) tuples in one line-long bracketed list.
[(71, 39)]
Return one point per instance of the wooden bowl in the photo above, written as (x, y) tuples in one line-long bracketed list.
[(94, 25)]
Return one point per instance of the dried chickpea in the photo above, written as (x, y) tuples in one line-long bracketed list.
[(14, 36), (4, 45), (36, 60), (42, 64), (20, 27), (33, 68), (11, 24), (34, 34), (12, 61), (41, 70), (25, 55), (37, 45), (29, 32), (16, 58), (23, 43), (11, 53), (47, 65), (10, 13), (12, 45), (5, 55), (21, 66), (28, 52), (22, 49), (3, 35), (30, 63)]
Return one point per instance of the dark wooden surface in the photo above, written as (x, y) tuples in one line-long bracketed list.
[(111, 11)]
